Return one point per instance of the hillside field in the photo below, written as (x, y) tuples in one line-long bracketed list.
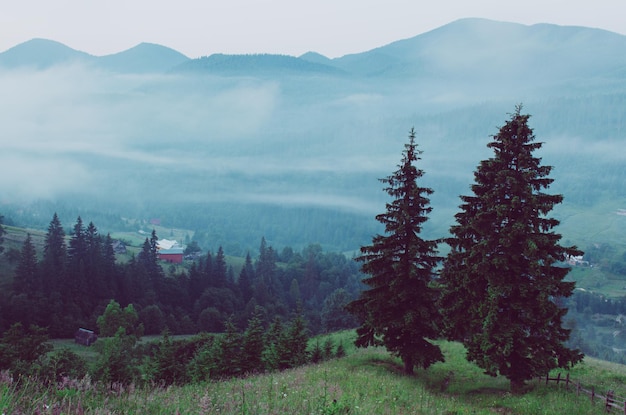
[(366, 381)]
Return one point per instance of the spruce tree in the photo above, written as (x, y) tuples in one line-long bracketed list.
[(398, 309), (503, 277), (26, 277), (54, 256), (75, 286), (246, 279), (253, 344), (219, 269)]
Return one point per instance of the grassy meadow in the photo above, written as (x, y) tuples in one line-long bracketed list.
[(366, 381)]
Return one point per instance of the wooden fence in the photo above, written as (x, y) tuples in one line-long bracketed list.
[(610, 401)]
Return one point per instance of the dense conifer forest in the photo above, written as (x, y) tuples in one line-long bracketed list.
[(69, 284)]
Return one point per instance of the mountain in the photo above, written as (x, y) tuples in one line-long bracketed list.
[(465, 49), (491, 50), (41, 54), (143, 58), (315, 58), (255, 64)]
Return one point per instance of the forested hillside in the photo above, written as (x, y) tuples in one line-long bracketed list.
[(65, 281)]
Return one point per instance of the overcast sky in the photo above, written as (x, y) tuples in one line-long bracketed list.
[(330, 27)]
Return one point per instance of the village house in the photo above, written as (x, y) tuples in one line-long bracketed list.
[(170, 251)]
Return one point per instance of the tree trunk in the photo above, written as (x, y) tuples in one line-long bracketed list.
[(517, 386), (408, 365)]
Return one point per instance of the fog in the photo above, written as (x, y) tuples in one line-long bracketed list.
[(149, 144)]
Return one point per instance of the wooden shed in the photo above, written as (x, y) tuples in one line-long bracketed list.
[(85, 337)]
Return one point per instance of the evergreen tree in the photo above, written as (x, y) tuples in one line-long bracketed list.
[(26, 276), (229, 352), (168, 367), (292, 344), (219, 269), (75, 286), (195, 282), (334, 315), (273, 344), (110, 270), (20, 348), (148, 259), (253, 344), (503, 276), (97, 286), (398, 310), (117, 362), (245, 281), (266, 266), (54, 256)]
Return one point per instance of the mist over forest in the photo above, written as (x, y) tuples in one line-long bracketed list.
[(291, 148)]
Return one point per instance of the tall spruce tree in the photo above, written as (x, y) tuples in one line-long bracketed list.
[(75, 287), (246, 279), (503, 276), (26, 279), (54, 256), (398, 310)]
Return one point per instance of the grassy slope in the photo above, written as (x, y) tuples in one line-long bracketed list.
[(365, 382)]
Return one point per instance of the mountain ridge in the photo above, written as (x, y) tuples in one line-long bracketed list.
[(465, 46), (43, 54)]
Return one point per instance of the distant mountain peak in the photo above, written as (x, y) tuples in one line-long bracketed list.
[(315, 58), (40, 53), (143, 58), (43, 53)]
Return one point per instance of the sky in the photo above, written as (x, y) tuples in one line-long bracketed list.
[(331, 27)]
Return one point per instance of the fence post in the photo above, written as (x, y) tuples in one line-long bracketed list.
[(593, 393), (567, 382), (609, 400), (578, 389), (558, 379), (624, 407), (547, 377)]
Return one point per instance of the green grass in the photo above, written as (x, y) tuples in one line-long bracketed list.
[(367, 381)]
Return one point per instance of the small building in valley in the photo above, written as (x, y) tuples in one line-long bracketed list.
[(170, 251), (85, 337)]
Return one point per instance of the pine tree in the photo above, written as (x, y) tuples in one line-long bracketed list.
[(245, 281), (295, 343), (54, 256), (95, 279), (110, 270), (503, 276), (266, 266), (148, 260), (230, 352), (196, 286), (75, 287), (273, 344), (398, 310), (26, 276), (253, 344), (219, 269)]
